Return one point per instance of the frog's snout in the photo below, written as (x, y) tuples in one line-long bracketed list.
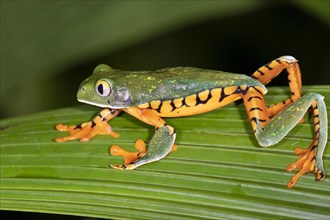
[(82, 89), (82, 92)]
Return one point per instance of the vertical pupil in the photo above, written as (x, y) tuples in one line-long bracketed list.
[(100, 89)]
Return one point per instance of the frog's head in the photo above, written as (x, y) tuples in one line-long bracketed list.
[(101, 90)]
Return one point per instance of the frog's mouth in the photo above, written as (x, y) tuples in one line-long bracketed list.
[(95, 104)]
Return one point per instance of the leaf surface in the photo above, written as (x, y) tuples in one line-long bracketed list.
[(218, 171)]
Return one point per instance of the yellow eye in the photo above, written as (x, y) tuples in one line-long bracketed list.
[(103, 88)]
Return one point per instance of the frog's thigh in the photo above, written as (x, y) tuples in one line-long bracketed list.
[(160, 144), (255, 108), (271, 70)]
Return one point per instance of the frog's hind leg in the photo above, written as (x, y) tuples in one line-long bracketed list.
[(271, 70), (313, 154), (160, 145), (270, 131)]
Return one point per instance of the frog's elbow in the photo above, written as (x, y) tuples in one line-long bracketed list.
[(264, 140), (265, 143)]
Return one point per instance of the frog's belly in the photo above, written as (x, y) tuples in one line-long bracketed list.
[(201, 102)]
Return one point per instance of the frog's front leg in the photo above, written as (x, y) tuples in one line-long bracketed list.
[(88, 130), (130, 156), (270, 131), (160, 144)]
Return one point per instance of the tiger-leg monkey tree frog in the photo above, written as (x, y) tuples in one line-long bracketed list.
[(151, 96)]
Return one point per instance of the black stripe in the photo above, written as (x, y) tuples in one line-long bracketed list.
[(268, 67), (318, 130), (239, 90), (257, 90), (262, 73), (199, 101), (222, 95), (253, 109), (253, 97), (78, 127), (112, 111), (172, 105), (93, 124), (255, 119), (159, 107), (244, 91), (277, 60), (102, 118), (184, 102), (313, 147)]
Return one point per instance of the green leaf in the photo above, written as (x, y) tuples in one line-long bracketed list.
[(218, 171)]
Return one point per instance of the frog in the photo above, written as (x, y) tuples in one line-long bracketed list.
[(174, 92)]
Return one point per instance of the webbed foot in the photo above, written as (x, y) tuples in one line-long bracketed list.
[(305, 163), (129, 156), (86, 131)]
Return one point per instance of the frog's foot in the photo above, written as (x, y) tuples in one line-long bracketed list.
[(88, 130), (85, 131), (130, 157), (305, 163)]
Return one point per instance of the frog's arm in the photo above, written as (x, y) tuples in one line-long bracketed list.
[(160, 144), (131, 156), (88, 130), (285, 115)]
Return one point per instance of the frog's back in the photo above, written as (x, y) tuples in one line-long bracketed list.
[(180, 91), (177, 82), (202, 77)]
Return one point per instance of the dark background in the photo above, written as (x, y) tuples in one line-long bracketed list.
[(49, 47)]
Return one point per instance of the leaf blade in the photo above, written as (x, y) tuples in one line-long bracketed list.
[(217, 172)]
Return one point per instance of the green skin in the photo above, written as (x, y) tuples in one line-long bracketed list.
[(130, 89)]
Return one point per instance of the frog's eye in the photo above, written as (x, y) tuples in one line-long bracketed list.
[(103, 88)]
